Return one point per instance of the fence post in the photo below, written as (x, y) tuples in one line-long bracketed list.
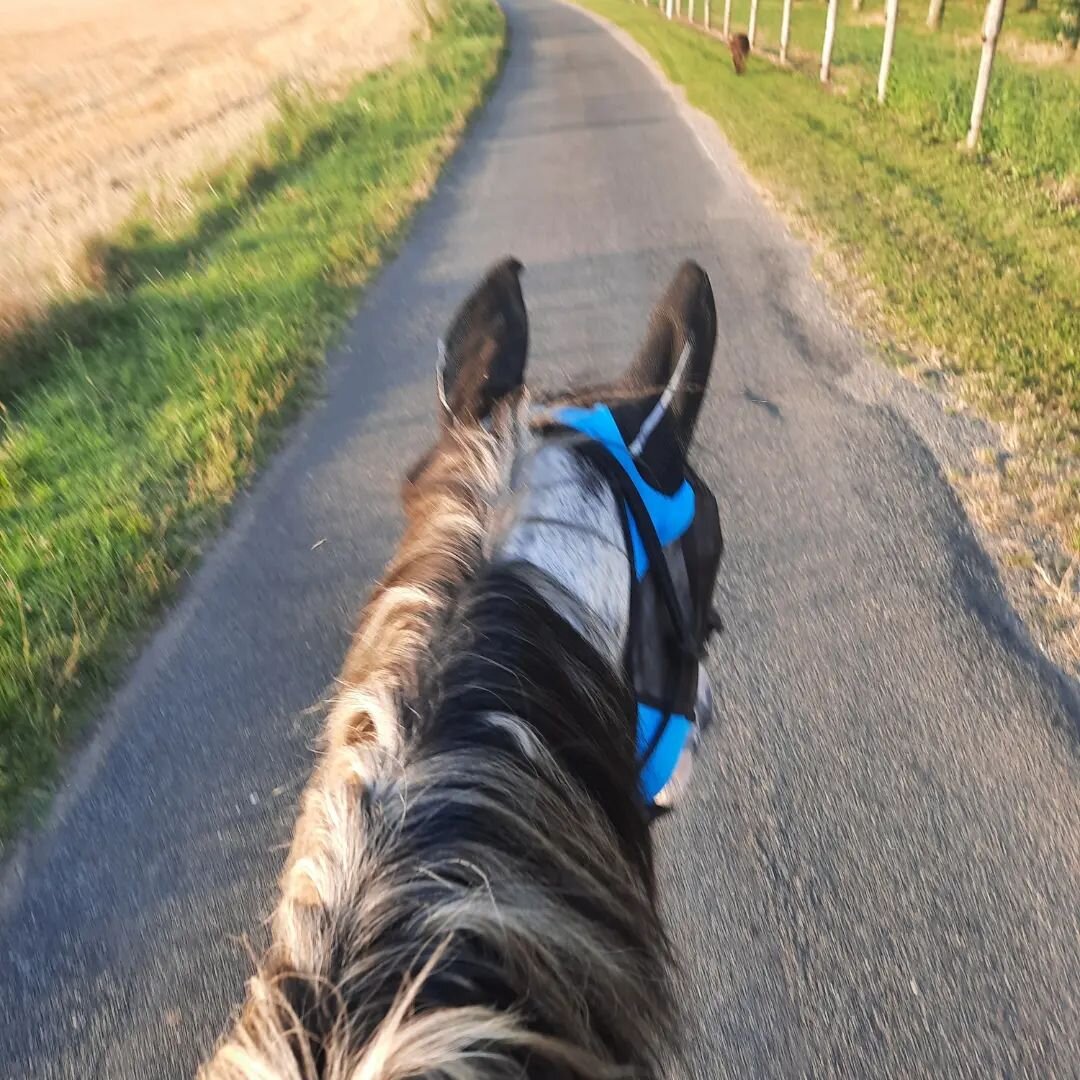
[(751, 30), (727, 19), (995, 15), (827, 44), (708, 16), (669, 10), (935, 14), (785, 31), (690, 10), (892, 11)]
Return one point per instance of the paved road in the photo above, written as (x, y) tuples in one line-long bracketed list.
[(877, 873)]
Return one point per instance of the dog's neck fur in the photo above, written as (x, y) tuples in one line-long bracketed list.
[(567, 527)]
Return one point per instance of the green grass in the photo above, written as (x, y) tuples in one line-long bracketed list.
[(1032, 125), (974, 257), (133, 412)]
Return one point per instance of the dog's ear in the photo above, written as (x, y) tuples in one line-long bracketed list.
[(676, 358), (482, 357), (655, 404)]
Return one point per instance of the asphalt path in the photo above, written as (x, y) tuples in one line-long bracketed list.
[(877, 872)]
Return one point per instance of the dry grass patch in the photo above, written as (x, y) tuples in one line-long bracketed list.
[(104, 101)]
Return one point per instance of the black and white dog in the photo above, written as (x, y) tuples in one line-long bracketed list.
[(470, 891)]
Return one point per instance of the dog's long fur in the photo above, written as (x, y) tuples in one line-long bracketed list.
[(469, 894), (472, 895)]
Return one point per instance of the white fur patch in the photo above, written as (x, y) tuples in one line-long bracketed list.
[(568, 526), (519, 731)]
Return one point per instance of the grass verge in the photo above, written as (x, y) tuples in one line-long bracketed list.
[(969, 263), (131, 414)]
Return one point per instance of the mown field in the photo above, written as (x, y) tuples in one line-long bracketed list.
[(106, 102), (967, 262), (134, 409)]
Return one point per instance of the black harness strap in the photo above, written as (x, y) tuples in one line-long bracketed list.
[(615, 474), (662, 659), (610, 468)]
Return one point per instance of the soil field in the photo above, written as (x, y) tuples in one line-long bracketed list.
[(103, 100)]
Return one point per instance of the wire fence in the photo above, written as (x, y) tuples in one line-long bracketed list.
[(992, 23)]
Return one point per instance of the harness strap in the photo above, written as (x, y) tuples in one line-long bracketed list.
[(616, 475), (653, 523), (610, 467)]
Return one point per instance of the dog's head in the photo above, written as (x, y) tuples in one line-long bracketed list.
[(596, 492)]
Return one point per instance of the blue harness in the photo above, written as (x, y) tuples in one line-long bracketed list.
[(658, 527)]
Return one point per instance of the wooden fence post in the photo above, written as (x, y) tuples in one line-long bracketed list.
[(935, 14), (670, 9), (892, 11), (708, 15), (751, 30), (727, 19), (827, 44), (995, 16), (785, 31), (690, 10)]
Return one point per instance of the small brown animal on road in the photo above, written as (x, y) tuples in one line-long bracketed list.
[(740, 50)]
